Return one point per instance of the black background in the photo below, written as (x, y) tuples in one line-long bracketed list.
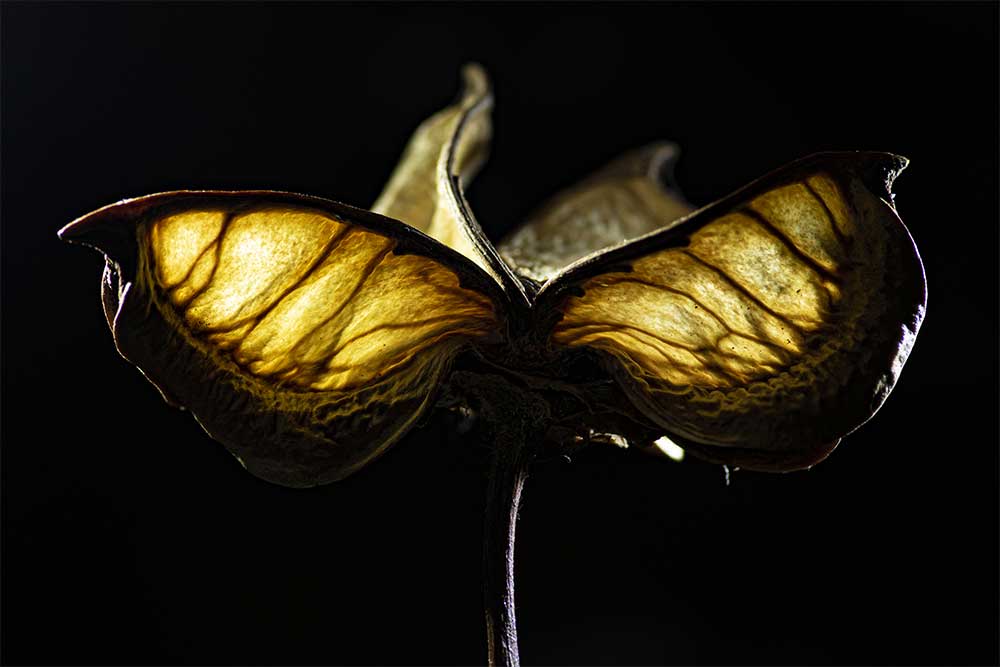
[(130, 537)]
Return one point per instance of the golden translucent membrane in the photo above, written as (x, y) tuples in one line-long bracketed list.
[(262, 254), (183, 239), (301, 298), (735, 305)]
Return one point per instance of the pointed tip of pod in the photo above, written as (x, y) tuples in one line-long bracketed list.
[(892, 167), (107, 229), (85, 224), (476, 87), (474, 75), (655, 161), (879, 170)]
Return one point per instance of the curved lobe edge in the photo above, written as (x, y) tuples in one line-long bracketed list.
[(295, 439), (443, 155), (796, 439), (478, 90)]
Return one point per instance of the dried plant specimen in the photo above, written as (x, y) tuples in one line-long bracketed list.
[(308, 336)]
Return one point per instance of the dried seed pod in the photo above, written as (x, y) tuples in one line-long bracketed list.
[(308, 336), (764, 327), (305, 335)]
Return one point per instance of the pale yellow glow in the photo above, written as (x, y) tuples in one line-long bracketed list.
[(826, 190), (738, 303), (800, 218), (257, 263), (751, 330), (183, 238), (199, 276), (670, 448), (755, 259), (298, 297)]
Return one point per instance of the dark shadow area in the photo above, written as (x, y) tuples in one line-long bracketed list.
[(129, 537)]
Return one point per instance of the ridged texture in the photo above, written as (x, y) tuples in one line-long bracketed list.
[(308, 336), (773, 325), (307, 339), (296, 297)]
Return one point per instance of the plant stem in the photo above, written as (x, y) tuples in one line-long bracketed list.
[(515, 420), (507, 475)]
